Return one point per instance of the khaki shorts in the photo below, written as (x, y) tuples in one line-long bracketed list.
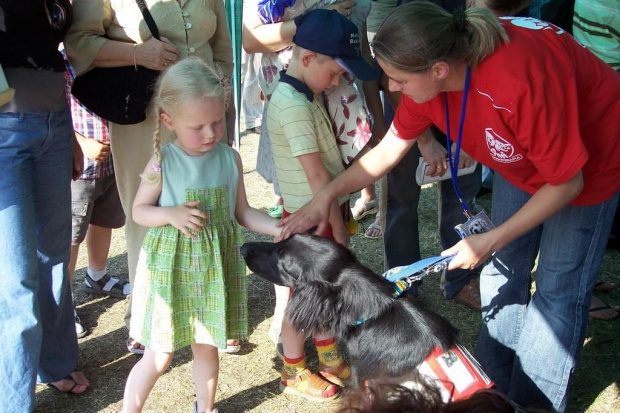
[(96, 202)]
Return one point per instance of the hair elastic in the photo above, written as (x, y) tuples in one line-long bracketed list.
[(461, 20)]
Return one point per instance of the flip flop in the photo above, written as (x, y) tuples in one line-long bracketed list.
[(230, 348), (72, 379), (376, 226), (604, 286), (131, 346), (604, 307)]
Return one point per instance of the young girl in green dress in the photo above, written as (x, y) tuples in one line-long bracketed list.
[(190, 287)]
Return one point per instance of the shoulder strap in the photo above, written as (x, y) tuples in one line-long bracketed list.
[(148, 18)]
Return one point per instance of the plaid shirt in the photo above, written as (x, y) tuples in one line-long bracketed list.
[(90, 126)]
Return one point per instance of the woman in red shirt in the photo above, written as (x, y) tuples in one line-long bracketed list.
[(541, 111)]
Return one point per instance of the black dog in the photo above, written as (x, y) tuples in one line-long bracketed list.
[(335, 294)]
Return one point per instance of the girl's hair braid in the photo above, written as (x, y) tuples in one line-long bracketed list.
[(154, 177)]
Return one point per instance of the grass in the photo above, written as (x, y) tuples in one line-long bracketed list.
[(249, 381)]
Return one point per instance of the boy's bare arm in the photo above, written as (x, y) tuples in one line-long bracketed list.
[(318, 177)]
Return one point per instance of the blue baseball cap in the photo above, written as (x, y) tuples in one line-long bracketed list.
[(329, 33)]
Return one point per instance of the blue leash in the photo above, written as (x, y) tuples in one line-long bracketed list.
[(403, 277)]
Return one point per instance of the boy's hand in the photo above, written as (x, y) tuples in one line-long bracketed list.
[(185, 217), (96, 150)]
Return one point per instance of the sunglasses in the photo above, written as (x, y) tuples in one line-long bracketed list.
[(56, 14)]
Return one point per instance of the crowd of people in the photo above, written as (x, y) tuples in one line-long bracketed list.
[(343, 101)]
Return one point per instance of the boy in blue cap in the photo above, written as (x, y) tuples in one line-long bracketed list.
[(306, 156)]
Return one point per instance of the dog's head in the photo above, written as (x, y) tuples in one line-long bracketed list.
[(303, 258), (332, 290)]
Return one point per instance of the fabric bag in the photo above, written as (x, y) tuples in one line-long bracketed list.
[(119, 94)]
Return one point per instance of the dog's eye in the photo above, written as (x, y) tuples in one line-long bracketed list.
[(280, 252)]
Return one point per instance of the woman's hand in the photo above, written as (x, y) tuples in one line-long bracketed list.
[(315, 212), (155, 54), (434, 154), (96, 150), (342, 7), (471, 252), (185, 217), (465, 161)]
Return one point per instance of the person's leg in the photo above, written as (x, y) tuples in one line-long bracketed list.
[(106, 213), (296, 378), (282, 296), (400, 233), (52, 194), (132, 146), (206, 370), (20, 316), (142, 378), (98, 241), (450, 215), (505, 289), (252, 105), (549, 346)]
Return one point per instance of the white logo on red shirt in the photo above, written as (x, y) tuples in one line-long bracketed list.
[(500, 149), (532, 23)]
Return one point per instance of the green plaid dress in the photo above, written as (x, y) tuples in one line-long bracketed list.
[(193, 290)]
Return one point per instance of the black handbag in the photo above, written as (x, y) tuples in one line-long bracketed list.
[(119, 94)]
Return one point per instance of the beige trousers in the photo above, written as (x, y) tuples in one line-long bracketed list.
[(132, 147)]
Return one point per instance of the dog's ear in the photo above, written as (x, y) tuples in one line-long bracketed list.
[(363, 295), (313, 308)]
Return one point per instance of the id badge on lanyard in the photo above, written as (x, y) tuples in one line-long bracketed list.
[(480, 222)]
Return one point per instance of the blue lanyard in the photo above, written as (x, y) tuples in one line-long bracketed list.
[(454, 163)]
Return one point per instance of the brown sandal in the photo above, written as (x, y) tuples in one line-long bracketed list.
[(309, 386)]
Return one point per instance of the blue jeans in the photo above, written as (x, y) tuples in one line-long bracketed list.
[(401, 238), (36, 310), (530, 344)]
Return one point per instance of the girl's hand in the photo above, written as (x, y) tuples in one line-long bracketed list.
[(156, 54), (185, 217), (471, 252)]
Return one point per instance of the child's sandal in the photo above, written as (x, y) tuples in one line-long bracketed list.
[(309, 386), (363, 208), (105, 286), (339, 375)]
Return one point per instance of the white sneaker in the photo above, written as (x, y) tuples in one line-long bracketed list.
[(79, 328)]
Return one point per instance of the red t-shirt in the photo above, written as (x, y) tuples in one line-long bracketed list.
[(540, 108)]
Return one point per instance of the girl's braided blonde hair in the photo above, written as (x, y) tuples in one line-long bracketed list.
[(189, 80)]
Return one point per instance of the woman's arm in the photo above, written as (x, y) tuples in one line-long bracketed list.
[(248, 217), (266, 38), (146, 212), (372, 166), (273, 37), (152, 54), (476, 249)]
